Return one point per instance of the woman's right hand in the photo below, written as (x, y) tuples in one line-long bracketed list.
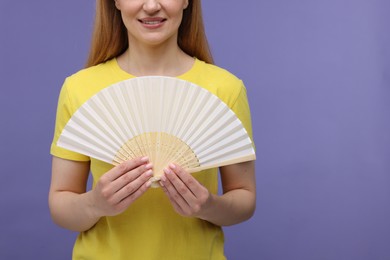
[(72, 207), (117, 189)]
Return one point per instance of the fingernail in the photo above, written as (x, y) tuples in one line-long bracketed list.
[(172, 166), (161, 183), (149, 166), (149, 173), (167, 171), (144, 159)]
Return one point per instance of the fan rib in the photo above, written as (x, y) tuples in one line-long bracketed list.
[(74, 143), (241, 159), (167, 119), (235, 142), (83, 126)]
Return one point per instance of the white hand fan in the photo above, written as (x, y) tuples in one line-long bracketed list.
[(167, 119)]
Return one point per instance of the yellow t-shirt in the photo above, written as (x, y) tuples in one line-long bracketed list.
[(149, 229)]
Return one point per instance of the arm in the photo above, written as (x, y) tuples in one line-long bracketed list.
[(238, 202), (190, 198), (72, 207)]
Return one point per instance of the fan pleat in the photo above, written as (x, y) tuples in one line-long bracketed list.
[(167, 119), (83, 127), (103, 120), (131, 116), (204, 110), (183, 111), (124, 121), (76, 142), (240, 155), (192, 111), (216, 122), (235, 140), (219, 138), (125, 117)]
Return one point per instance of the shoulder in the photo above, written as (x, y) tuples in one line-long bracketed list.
[(92, 75), (83, 84), (217, 80), (217, 74)]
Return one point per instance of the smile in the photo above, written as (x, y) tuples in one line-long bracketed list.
[(152, 21)]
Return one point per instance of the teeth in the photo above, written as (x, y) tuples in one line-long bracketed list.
[(151, 22)]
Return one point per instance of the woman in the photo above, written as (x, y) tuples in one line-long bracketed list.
[(120, 217)]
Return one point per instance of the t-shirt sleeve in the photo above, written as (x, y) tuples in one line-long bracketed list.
[(241, 108), (64, 113)]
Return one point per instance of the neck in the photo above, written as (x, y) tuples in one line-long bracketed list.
[(155, 60)]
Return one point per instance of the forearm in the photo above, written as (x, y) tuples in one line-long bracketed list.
[(190, 198), (73, 208), (230, 208), (73, 211)]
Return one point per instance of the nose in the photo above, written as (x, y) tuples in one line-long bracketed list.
[(151, 6)]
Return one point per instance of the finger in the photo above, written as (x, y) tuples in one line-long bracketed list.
[(130, 176), (175, 205), (133, 186), (192, 184), (126, 202), (177, 189), (184, 183), (124, 167)]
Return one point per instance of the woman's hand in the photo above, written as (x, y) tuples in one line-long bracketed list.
[(74, 208), (188, 197), (117, 189)]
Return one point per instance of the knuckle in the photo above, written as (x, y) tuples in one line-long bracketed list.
[(147, 176), (111, 203), (136, 194), (196, 208), (146, 167), (118, 208), (167, 184), (139, 170), (142, 190), (126, 178), (191, 181), (176, 196), (129, 188), (103, 181), (122, 167), (183, 190), (203, 198), (105, 193)]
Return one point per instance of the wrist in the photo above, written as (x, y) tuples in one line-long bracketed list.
[(91, 208), (206, 212)]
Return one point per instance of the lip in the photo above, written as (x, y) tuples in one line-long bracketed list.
[(152, 22)]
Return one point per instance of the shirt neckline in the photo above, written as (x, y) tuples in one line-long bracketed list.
[(125, 74)]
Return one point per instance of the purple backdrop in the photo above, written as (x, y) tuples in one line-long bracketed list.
[(317, 74)]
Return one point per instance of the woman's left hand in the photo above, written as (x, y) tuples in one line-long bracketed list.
[(188, 197)]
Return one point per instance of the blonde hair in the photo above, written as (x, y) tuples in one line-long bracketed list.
[(109, 38)]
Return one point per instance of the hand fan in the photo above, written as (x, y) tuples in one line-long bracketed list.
[(167, 119)]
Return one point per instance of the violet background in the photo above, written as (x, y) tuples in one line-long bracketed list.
[(317, 74)]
